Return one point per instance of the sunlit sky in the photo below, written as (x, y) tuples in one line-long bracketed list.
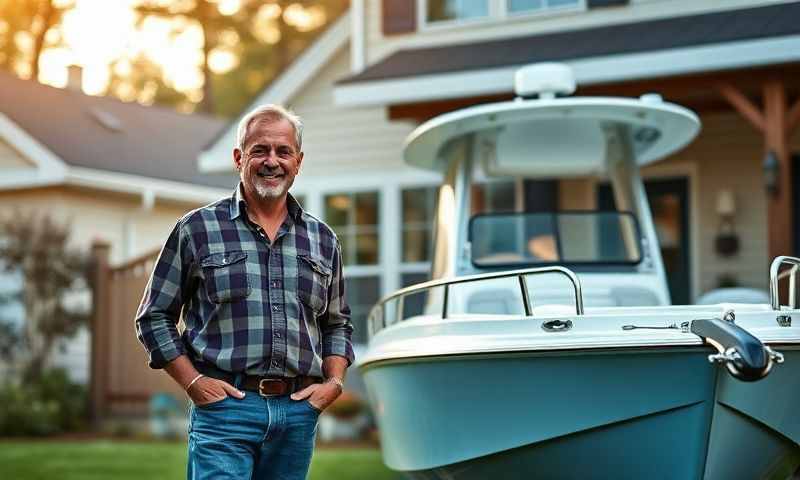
[(98, 32)]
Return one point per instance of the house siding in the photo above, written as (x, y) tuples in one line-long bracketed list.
[(379, 46), (338, 140)]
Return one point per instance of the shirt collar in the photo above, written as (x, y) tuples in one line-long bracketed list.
[(239, 205)]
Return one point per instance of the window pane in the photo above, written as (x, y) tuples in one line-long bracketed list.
[(336, 209), (493, 197), (419, 207), (361, 293), (457, 9), (524, 5), (367, 208), (417, 245), (367, 249), (561, 3), (354, 217), (415, 203), (346, 239)]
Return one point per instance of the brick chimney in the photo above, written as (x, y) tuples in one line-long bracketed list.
[(75, 78)]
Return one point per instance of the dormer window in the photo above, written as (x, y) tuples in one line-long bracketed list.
[(444, 12)]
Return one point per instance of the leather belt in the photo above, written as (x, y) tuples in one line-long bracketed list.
[(265, 386)]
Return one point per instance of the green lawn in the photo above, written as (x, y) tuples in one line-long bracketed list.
[(104, 460)]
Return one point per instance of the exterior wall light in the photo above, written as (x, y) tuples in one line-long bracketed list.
[(726, 242), (772, 172)]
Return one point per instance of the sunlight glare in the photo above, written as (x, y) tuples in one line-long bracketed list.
[(222, 60), (229, 7), (304, 19)]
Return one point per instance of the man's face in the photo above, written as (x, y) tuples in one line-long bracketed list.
[(270, 159)]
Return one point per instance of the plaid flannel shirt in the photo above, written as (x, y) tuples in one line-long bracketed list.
[(249, 306)]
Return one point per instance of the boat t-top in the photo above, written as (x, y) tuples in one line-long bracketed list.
[(546, 345)]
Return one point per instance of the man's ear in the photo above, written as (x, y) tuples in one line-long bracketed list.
[(237, 158), (299, 162)]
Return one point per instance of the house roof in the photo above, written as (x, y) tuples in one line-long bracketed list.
[(103, 133), (637, 37)]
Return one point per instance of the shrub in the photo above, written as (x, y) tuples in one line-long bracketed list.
[(50, 404)]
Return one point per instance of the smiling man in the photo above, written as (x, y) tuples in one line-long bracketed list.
[(267, 339)]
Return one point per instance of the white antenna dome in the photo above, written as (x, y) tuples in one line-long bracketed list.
[(545, 80)]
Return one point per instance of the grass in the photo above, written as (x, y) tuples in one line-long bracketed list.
[(103, 459)]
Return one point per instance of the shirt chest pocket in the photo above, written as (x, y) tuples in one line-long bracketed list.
[(226, 276), (313, 280)]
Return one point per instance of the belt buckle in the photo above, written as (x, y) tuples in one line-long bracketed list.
[(270, 380)]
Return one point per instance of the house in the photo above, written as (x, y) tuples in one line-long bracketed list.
[(389, 65), (118, 173)]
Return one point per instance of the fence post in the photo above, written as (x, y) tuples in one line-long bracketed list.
[(101, 302)]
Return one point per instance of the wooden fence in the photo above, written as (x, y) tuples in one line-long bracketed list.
[(121, 383)]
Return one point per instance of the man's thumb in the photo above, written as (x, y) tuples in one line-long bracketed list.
[(301, 394)]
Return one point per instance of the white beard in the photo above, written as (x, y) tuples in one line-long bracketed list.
[(267, 192)]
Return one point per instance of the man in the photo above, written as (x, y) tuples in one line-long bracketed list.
[(267, 340)]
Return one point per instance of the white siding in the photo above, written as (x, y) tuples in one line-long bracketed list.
[(340, 141), (379, 46)]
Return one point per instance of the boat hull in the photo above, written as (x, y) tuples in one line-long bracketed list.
[(757, 424), (636, 413)]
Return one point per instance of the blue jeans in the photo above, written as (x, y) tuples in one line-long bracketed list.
[(254, 438)]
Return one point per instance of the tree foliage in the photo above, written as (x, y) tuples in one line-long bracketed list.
[(37, 248), (262, 36), (24, 28), (265, 41)]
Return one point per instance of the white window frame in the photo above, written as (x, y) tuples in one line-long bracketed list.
[(498, 12)]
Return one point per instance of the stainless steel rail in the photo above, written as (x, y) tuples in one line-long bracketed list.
[(378, 311), (775, 274)]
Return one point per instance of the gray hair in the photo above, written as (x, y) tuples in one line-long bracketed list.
[(273, 112)]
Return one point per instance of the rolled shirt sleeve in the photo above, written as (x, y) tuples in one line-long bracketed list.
[(159, 312), (337, 329)]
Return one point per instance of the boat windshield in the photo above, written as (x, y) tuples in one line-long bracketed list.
[(573, 238)]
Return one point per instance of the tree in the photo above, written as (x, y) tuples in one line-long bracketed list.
[(52, 271), (23, 32), (260, 57), (206, 15)]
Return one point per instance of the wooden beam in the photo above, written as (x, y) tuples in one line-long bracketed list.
[(100, 341), (779, 211), (793, 118), (743, 105)]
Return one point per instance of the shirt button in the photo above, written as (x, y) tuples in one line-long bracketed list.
[(277, 335), (275, 284), (275, 308)]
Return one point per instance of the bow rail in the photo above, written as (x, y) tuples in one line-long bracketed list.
[(378, 317)]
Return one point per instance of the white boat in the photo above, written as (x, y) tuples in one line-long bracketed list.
[(546, 345)]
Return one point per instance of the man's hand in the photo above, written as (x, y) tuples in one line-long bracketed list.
[(210, 390), (319, 395)]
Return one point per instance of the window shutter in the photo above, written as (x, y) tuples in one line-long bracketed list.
[(606, 3), (399, 16)]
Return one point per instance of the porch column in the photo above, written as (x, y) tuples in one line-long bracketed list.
[(776, 122), (99, 339)]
